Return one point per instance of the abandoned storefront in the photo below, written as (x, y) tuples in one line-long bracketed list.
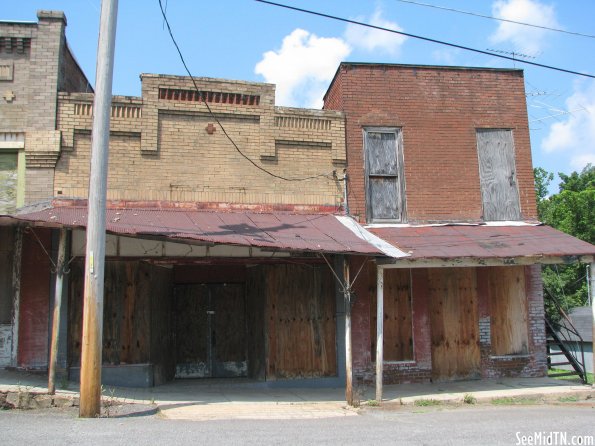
[(203, 294)]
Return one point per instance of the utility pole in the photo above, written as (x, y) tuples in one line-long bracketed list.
[(90, 401)]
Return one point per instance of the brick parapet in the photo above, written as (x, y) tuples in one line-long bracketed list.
[(193, 160)]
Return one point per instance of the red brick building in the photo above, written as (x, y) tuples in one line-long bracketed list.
[(439, 165)]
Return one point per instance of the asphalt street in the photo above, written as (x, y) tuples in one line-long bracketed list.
[(468, 425)]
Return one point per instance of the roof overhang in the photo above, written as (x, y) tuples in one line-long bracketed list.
[(482, 245), (272, 230)]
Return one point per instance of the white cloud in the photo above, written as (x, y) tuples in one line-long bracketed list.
[(302, 67), (370, 39), (575, 134), (526, 39)]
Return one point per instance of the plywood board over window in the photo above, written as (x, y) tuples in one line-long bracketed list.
[(454, 323), (497, 173), (8, 183), (508, 310), (385, 182), (398, 327)]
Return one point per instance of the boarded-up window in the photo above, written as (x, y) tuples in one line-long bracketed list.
[(385, 182), (497, 174), (508, 310), (398, 328), (8, 183)]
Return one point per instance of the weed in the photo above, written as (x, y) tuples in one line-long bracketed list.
[(513, 401), (427, 402), (372, 403), (469, 399), (568, 399), (110, 400)]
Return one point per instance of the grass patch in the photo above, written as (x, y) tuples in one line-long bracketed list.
[(572, 378), (505, 401), (568, 399), (427, 402), (469, 399), (372, 403)]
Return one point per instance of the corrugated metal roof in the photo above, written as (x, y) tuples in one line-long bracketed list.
[(275, 230), (466, 241)]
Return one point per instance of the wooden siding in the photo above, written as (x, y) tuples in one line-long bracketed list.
[(497, 174), (301, 321), (508, 310), (398, 324), (454, 323)]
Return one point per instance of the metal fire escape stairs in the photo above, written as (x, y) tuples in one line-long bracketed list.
[(564, 346)]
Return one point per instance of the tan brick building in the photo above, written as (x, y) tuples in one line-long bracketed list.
[(35, 64)]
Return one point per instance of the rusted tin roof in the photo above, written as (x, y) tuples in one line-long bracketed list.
[(483, 242), (274, 230)]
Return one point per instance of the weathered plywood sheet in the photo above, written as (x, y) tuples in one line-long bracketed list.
[(398, 326), (508, 310), (385, 181), (255, 322), (193, 337), (126, 313), (210, 330), (498, 175), (301, 321), (454, 322), (6, 256)]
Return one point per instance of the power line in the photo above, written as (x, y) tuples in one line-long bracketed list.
[(496, 18), (427, 39), (214, 116)]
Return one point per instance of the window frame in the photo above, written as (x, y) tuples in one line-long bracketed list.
[(401, 204)]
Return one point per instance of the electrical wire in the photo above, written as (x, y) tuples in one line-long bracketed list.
[(497, 18), (214, 116), (427, 39)]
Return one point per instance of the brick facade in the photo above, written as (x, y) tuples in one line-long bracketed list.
[(438, 110), (40, 65), (168, 146)]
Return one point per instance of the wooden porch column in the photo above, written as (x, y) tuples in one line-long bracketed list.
[(57, 308), (379, 331), (16, 289), (348, 350)]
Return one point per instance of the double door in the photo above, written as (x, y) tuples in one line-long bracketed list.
[(210, 327)]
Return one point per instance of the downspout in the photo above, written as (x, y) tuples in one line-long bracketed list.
[(345, 194)]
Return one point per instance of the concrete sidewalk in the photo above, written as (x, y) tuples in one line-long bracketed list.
[(245, 399)]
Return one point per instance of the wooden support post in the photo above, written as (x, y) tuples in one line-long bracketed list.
[(348, 350), (379, 331), (16, 290), (91, 349), (592, 293), (57, 307)]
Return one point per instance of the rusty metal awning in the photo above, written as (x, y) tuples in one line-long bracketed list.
[(278, 230), (449, 242)]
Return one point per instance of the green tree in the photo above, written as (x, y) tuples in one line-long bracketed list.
[(571, 210)]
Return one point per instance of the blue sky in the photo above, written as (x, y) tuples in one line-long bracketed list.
[(247, 40)]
